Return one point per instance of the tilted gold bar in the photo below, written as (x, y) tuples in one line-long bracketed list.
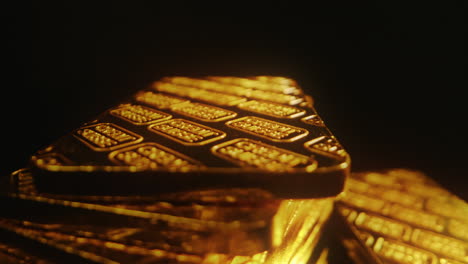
[(184, 133), (402, 216)]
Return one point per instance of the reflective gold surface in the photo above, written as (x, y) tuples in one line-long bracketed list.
[(179, 127), (204, 230), (188, 170), (402, 216)]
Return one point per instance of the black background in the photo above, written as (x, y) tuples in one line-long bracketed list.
[(387, 77)]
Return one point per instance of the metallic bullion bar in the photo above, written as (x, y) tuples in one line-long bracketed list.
[(213, 226), (184, 133), (402, 216)]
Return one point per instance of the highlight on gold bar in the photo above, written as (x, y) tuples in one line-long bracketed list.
[(138, 114), (248, 227), (402, 216), (268, 129), (106, 136), (250, 153), (187, 132), (200, 119)]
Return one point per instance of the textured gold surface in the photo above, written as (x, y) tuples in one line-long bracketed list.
[(211, 163), (187, 132), (406, 218), (247, 152), (203, 112), (195, 232), (272, 109), (189, 123), (106, 136), (268, 129), (152, 156), (158, 100), (138, 114)]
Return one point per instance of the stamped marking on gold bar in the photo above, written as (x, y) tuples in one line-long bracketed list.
[(203, 112), (236, 90), (326, 146), (272, 109), (440, 244), (401, 253), (268, 129), (363, 201), (138, 114), (314, 120), (187, 132), (106, 136), (250, 153), (383, 226), (213, 97), (257, 84), (417, 217), (151, 155), (158, 100)]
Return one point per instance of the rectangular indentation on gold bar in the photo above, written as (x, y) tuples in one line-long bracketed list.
[(363, 202), (257, 84), (268, 129), (251, 153), (213, 97), (417, 217), (234, 90), (441, 244), (187, 132), (138, 114), (158, 100), (272, 109), (383, 226), (398, 252), (106, 136), (151, 155), (327, 146), (203, 112)]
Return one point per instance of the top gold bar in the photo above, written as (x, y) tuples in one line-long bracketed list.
[(183, 133)]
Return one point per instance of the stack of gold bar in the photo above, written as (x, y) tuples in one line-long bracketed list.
[(188, 170), (221, 170)]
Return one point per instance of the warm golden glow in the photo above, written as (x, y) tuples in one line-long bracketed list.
[(251, 150), (408, 218)]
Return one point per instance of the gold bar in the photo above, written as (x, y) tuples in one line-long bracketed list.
[(402, 216), (180, 133)]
